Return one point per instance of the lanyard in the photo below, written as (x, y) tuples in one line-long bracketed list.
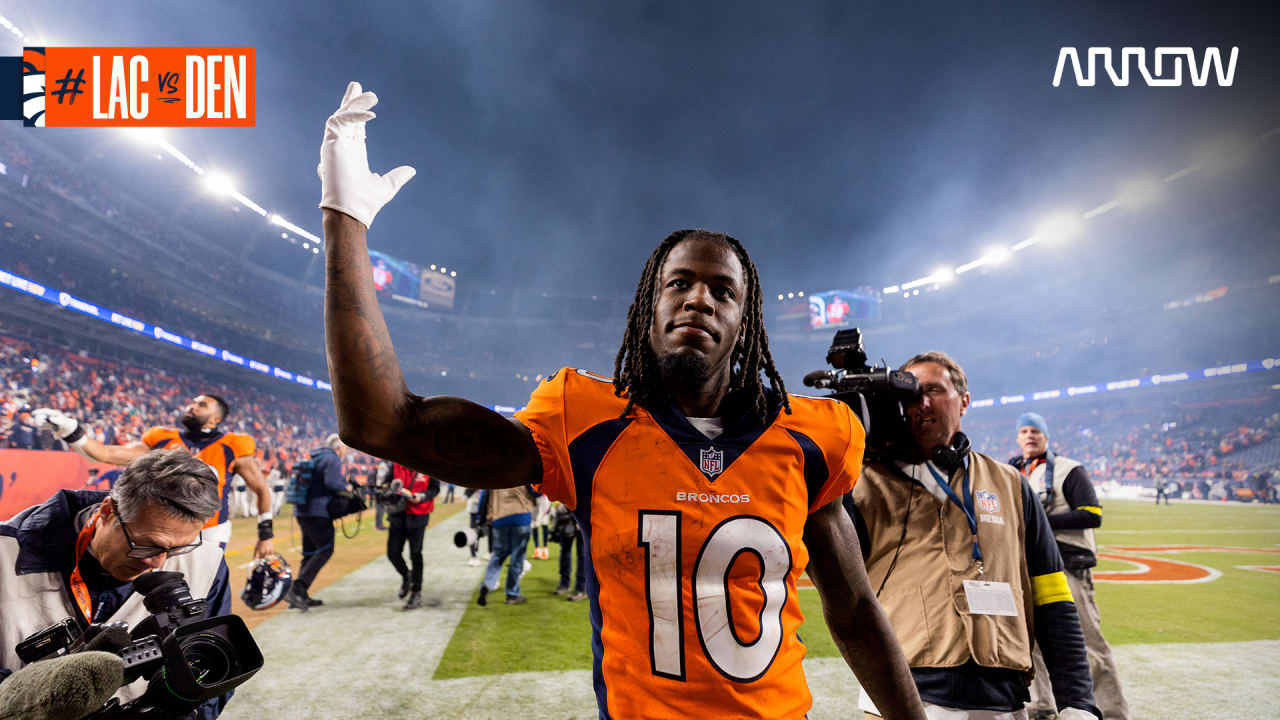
[(1046, 482), (80, 589), (966, 506)]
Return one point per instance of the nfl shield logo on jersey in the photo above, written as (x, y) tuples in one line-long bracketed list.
[(712, 461), (987, 501)]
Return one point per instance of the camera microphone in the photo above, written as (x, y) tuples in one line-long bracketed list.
[(465, 538), (64, 688), (821, 378)]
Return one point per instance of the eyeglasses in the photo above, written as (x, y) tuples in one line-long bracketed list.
[(142, 552)]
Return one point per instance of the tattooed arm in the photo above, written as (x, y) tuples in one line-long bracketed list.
[(446, 437)]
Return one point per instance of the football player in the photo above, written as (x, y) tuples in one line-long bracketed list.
[(228, 453), (702, 493)]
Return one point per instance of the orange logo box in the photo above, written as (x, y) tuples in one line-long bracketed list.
[(149, 87)]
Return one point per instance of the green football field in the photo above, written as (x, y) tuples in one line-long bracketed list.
[(1203, 646), (1137, 607)]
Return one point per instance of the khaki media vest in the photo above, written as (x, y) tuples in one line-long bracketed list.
[(924, 596), (1082, 537), (509, 501)]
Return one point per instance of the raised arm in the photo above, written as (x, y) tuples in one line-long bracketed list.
[(446, 437), (858, 624), (69, 429)]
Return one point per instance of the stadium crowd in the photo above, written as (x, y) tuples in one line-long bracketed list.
[(1210, 450), (118, 402)]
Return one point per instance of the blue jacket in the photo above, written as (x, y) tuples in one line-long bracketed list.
[(326, 479), (46, 536)]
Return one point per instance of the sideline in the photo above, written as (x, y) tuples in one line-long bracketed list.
[(362, 656)]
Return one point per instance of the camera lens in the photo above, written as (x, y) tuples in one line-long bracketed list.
[(211, 658)]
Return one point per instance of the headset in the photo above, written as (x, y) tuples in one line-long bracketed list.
[(950, 456)]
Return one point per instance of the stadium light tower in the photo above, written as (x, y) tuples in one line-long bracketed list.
[(997, 255), (218, 183), (1062, 226), (1141, 192)]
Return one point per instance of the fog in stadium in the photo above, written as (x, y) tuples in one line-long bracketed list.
[(1107, 257)]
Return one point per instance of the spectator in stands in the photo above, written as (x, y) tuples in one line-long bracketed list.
[(510, 512), (408, 520), (24, 434), (313, 518), (80, 551), (1067, 495), (945, 525)]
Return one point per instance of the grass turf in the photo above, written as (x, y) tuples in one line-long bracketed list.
[(551, 634), (348, 553)]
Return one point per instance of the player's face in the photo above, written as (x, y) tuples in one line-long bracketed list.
[(700, 295), (937, 416), (202, 410), (1032, 441), (152, 527)]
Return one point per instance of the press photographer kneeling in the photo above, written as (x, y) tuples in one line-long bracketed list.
[(74, 560)]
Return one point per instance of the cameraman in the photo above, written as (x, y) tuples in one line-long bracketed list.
[(410, 510), (956, 538), (77, 554), (314, 519)]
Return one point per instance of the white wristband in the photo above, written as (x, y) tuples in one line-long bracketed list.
[(264, 516)]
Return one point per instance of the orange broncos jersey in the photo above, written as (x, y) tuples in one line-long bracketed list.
[(693, 546), (218, 452)]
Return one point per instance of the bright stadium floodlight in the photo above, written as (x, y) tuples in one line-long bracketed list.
[(1141, 192), (144, 135), (1059, 227), (997, 255), (218, 183)]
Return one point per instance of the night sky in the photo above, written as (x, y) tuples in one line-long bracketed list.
[(557, 142)]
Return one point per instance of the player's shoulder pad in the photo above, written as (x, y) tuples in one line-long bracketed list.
[(578, 398), (822, 419), (155, 433)]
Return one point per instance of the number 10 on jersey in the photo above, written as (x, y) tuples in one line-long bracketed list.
[(739, 659)]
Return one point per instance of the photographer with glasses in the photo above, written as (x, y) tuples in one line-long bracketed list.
[(77, 554)]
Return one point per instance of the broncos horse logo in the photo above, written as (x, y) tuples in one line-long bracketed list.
[(33, 66)]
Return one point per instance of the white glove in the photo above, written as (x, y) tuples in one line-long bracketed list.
[(62, 425), (59, 422), (346, 185), (1076, 714)]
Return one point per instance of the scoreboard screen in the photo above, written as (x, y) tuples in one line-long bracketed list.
[(839, 308), (405, 282)]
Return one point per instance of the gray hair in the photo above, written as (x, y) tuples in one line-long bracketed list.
[(334, 441), (173, 480)]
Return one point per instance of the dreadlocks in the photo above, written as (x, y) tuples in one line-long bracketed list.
[(635, 370)]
